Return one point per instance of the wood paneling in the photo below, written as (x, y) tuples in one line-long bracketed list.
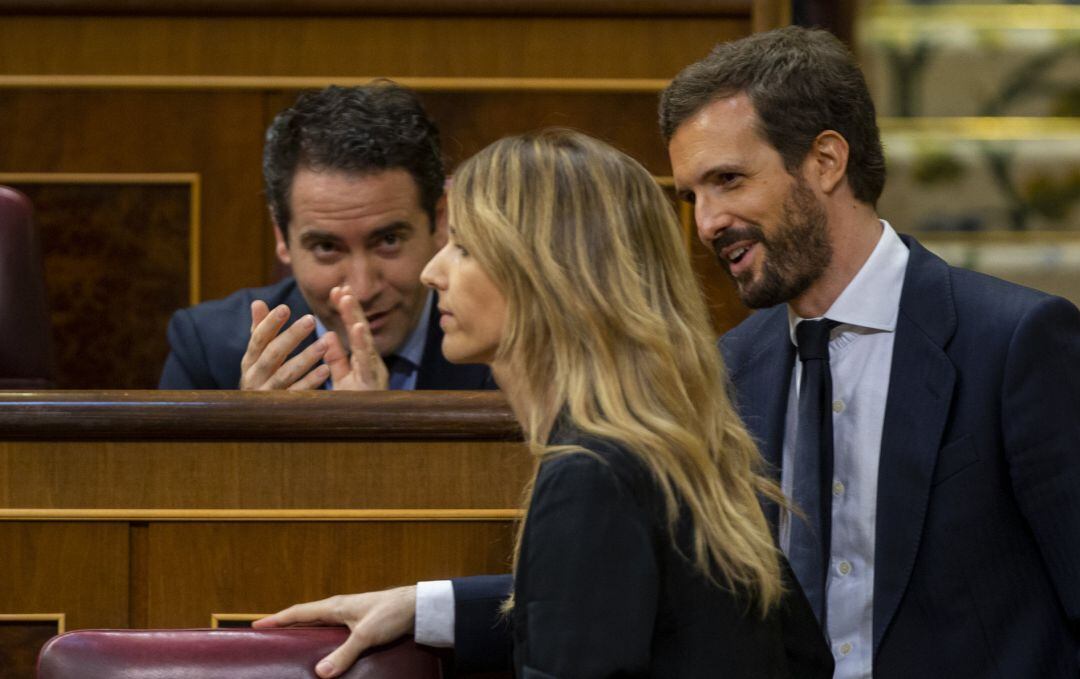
[(690, 8), (20, 639), (79, 569), (164, 533), (217, 135), (117, 265), (186, 91), (586, 47), (199, 569), (268, 475)]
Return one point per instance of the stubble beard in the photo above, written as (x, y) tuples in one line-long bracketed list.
[(794, 257)]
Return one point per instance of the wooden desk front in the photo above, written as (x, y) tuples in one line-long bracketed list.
[(166, 509)]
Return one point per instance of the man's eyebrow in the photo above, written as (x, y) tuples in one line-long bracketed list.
[(391, 228), (317, 234), (721, 168)]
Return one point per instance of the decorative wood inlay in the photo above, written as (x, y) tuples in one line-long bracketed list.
[(58, 618), (120, 253), (257, 416), (218, 620), (191, 179), (688, 8), (272, 515), (241, 83), (21, 639)]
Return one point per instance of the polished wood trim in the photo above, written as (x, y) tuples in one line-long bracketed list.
[(261, 515), (255, 416), (192, 179), (421, 84), (631, 8), (59, 618)]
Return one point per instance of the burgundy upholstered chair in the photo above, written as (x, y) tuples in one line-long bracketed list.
[(25, 338), (223, 654)]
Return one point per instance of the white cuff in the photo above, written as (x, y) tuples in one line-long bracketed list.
[(435, 613)]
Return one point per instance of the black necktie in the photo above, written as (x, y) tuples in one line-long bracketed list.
[(808, 548)]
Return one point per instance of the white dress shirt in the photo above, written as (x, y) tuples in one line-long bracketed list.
[(860, 357)]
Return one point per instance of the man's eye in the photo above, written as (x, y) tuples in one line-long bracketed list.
[(687, 197), (391, 239), (726, 178), (323, 247)]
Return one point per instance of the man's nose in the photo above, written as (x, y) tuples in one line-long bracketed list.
[(365, 278), (711, 219)]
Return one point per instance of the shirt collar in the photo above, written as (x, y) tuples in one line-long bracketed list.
[(872, 298), (413, 348)]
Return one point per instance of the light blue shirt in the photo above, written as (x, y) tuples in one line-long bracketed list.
[(860, 358), (410, 354)]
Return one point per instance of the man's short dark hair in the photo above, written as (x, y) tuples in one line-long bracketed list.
[(801, 82), (365, 130)]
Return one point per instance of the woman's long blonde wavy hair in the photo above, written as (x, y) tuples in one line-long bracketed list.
[(606, 325)]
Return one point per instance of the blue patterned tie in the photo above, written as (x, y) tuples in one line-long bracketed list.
[(809, 545)]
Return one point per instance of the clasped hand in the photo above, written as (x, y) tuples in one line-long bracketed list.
[(266, 364)]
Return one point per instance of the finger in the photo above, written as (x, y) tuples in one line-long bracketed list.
[(349, 308), (336, 359), (365, 361), (313, 380), (343, 656), (298, 367), (259, 311), (267, 371), (311, 612), (265, 330)]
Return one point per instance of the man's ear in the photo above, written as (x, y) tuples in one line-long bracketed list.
[(441, 222), (826, 164), (281, 247)]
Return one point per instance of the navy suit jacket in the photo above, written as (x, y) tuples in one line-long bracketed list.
[(208, 341), (977, 548)]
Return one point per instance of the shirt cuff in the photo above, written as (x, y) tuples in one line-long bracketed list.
[(435, 614)]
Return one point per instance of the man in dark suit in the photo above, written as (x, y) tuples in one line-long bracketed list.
[(947, 486), (354, 181), (951, 515)]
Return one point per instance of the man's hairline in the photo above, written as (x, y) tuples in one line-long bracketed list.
[(357, 174)]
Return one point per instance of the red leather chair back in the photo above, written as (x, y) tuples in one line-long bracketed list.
[(223, 653), (25, 337)]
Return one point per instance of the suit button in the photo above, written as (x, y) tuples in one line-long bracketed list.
[(845, 648), (844, 568), (837, 489), (838, 406)]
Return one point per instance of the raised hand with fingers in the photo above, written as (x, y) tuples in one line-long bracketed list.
[(361, 368), (266, 364), (373, 619)]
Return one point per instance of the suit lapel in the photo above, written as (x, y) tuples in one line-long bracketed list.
[(760, 360), (916, 412)]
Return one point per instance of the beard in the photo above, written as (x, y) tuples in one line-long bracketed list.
[(793, 257)]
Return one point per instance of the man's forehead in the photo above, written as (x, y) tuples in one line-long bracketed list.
[(722, 133), (330, 191)]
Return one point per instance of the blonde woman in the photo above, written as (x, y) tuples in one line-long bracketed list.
[(644, 551)]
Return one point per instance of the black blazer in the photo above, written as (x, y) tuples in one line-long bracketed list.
[(601, 591), (208, 341), (977, 547)]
